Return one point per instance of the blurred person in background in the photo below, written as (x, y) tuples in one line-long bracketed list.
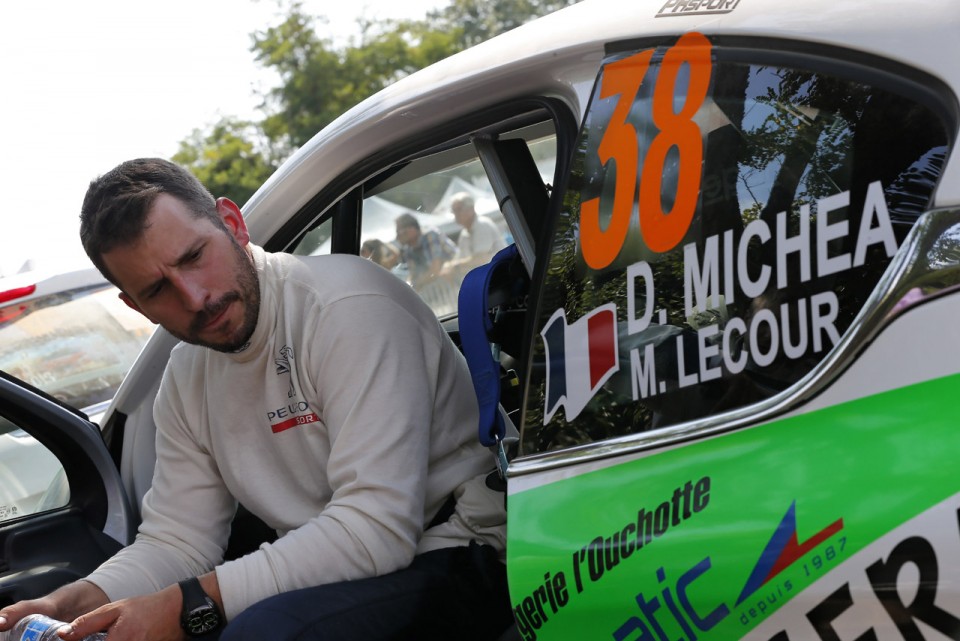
[(423, 251), (480, 238)]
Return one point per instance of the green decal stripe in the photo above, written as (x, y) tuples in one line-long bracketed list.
[(581, 566)]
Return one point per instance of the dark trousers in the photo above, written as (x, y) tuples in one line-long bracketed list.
[(454, 593)]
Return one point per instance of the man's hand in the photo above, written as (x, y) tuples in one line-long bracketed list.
[(155, 617), (13, 613), (62, 604)]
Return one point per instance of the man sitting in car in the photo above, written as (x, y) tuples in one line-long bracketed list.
[(320, 393)]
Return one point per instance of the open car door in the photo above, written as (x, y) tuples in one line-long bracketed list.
[(62, 508)]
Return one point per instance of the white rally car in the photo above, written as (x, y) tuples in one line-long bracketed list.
[(733, 361)]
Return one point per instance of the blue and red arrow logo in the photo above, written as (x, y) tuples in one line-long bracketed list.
[(783, 550)]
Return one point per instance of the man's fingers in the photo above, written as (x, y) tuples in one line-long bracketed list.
[(87, 624)]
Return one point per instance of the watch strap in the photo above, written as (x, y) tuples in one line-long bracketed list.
[(193, 594)]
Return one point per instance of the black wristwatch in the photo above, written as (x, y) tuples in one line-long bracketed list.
[(200, 614)]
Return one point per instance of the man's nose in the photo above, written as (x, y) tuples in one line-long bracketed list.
[(193, 295)]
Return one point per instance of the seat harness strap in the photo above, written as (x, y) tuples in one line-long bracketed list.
[(475, 326)]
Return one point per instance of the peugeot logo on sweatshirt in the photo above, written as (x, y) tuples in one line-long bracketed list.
[(294, 413), (283, 366)]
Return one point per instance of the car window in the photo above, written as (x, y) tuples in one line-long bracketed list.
[(316, 241), (31, 477), (725, 222), (408, 224), (411, 230), (75, 345)]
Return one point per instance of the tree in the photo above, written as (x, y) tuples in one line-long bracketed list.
[(320, 80), (227, 160), (479, 20)]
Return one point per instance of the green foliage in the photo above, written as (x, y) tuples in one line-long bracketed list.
[(319, 80), (479, 20), (226, 159)]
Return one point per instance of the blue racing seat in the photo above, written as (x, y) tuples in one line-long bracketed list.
[(489, 295)]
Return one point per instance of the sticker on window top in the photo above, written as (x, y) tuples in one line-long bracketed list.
[(686, 7)]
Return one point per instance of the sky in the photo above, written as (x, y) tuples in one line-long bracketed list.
[(87, 85)]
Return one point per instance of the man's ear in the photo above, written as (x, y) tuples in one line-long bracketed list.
[(233, 219), (129, 302)]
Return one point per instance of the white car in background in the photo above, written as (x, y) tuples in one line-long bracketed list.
[(69, 335)]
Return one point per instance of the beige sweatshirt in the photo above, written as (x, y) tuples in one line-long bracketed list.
[(344, 425)]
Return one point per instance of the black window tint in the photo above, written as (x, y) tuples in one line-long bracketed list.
[(804, 184)]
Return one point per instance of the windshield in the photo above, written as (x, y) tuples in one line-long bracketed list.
[(75, 345)]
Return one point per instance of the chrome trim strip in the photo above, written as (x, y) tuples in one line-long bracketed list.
[(927, 265)]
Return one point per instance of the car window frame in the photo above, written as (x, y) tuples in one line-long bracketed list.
[(343, 195)]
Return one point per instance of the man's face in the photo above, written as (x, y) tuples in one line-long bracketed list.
[(408, 235), (463, 214), (190, 276)]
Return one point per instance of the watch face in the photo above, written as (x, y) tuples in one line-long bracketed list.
[(202, 620)]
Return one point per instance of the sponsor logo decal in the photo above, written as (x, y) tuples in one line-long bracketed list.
[(675, 603), (783, 550), (902, 586), (686, 7), (603, 556), (580, 358)]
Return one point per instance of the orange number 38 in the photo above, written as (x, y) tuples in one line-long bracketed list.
[(661, 230)]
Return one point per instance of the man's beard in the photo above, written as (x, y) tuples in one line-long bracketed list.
[(248, 292)]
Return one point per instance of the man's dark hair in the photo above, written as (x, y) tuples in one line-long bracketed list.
[(116, 205), (407, 220)]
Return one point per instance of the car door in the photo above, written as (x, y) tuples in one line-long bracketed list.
[(738, 414), (64, 510)]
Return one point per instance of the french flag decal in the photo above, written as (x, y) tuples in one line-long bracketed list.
[(580, 358)]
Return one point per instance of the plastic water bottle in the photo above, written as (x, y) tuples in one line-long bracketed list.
[(37, 627)]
